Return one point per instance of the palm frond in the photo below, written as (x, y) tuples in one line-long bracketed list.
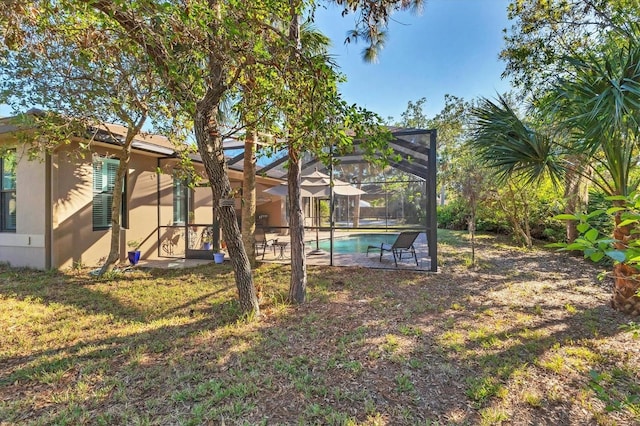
[(511, 147), (600, 107)]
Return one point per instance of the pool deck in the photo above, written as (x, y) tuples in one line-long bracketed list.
[(353, 259), (283, 255)]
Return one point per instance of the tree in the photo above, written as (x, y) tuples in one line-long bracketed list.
[(319, 122), (545, 34), (414, 116), (596, 112), (79, 70), (521, 151), (472, 186), (600, 106), (200, 50), (452, 124), (371, 21)]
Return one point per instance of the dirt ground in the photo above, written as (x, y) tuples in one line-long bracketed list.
[(527, 337)]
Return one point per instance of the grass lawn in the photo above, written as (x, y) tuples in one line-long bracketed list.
[(528, 337)]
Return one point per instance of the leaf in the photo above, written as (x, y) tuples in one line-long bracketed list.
[(616, 255), (612, 210), (591, 235), (627, 222), (566, 217), (597, 256), (583, 227), (576, 246), (595, 213), (616, 198), (556, 245)]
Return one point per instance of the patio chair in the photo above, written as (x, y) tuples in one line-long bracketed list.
[(403, 245), (262, 242)]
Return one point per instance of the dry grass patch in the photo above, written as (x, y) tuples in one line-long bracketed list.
[(527, 338)]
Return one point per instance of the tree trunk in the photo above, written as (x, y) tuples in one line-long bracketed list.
[(298, 285), (116, 208), (576, 194), (207, 133), (625, 289), (209, 141), (249, 197), (626, 278), (116, 204)]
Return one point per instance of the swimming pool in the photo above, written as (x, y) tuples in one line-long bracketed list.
[(357, 243)]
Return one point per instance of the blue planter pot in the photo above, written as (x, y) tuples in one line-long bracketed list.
[(218, 257), (134, 257), (207, 246)]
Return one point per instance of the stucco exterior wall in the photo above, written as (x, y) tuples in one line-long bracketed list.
[(26, 246), (75, 243), (55, 210)]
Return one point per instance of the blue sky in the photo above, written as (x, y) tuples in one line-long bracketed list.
[(451, 48)]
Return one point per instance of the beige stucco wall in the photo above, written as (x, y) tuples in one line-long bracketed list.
[(26, 247), (75, 243), (67, 203), (75, 240)]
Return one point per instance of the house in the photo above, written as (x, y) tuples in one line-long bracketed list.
[(55, 209)]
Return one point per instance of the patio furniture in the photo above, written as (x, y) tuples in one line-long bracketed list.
[(282, 245), (262, 242), (401, 246)]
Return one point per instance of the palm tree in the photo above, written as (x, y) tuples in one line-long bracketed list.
[(518, 151), (600, 106), (596, 114)]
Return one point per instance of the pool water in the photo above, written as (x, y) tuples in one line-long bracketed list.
[(357, 243)]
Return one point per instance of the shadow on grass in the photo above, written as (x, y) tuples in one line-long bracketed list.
[(116, 349), (369, 344), (58, 288), (184, 298), (406, 309)]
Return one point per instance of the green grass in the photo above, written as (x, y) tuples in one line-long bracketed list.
[(368, 348)]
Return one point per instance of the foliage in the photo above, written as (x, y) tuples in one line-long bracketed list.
[(371, 21), (610, 396), (501, 206), (511, 146), (596, 245), (413, 116), (545, 34), (598, 202), (453, 215), (598, 107), (589, 121), (133, 244), (588, 126), (206, 235), (87, 78)]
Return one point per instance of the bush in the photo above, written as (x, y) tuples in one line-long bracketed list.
[(452, 216), (543, 202)]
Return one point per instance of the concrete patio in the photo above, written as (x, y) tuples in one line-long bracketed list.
[(281, 254), (355, 259)]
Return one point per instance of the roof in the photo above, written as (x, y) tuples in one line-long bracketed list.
[(412, 146)]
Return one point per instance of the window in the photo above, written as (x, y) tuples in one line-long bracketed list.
[(181, 195), (8, 192), (104, 179)]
